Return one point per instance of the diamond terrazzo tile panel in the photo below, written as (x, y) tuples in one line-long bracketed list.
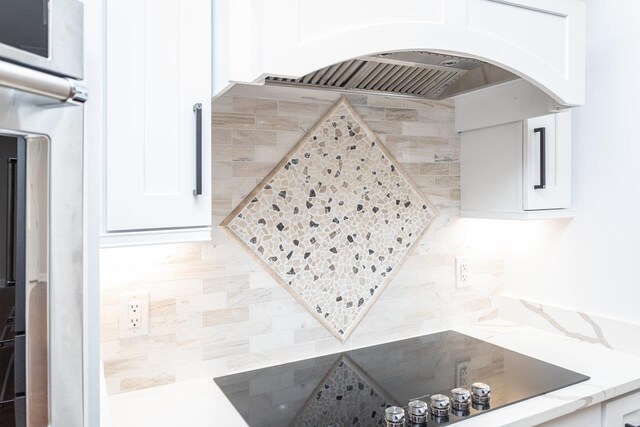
[(333, 220)]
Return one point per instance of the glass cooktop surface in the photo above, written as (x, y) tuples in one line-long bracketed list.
[(355, 387)]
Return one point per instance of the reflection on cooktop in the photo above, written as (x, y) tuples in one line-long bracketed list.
[(355, 387)]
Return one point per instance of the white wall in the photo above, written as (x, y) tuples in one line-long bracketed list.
[(591, 262)]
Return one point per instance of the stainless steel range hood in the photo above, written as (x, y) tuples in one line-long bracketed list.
[(421, 74)]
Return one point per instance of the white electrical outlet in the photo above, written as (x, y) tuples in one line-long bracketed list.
[(462, 272), (134, 314)]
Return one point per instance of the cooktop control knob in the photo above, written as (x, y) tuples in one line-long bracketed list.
[(418, 412), (394, 416), (480, 393), (439, 405), (460, 399)]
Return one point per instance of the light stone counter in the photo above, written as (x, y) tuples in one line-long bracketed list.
[(613, 373)]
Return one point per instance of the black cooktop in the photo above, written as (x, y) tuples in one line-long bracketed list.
[(355, 387)]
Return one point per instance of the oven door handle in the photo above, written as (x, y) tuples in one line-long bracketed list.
[(12, 164), (25, 79)]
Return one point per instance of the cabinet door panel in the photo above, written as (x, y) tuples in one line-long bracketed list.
[(622, 411), (555, 129), (158, 67)]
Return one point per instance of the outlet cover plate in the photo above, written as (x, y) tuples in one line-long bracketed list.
[(124, 318), (462, 272)]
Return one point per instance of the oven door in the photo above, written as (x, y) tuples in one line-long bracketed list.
[(43, 34), (51, 299)]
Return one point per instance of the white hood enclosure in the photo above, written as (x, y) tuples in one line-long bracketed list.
[(541, 41), (511, 66)]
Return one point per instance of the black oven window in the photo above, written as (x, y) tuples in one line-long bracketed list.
[(24, 24)]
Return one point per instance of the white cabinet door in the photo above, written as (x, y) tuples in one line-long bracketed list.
[(547, 162), (501, 175), (622, 411), (158, 68)]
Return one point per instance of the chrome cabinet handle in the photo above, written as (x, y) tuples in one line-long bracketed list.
[(197, 108), (543, 160)]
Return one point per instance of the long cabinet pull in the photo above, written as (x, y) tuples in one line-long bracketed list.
[(197, 108), (543, 160), (11, 221)]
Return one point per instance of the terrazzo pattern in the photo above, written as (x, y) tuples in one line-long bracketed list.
[(344, 398), (334, 220)]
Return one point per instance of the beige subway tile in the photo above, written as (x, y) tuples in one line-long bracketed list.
[(201, 303), (454, 194), (232, 153), (434, 169), (454, 169), (401, 115), (310, 334), (304, 109), (265, 91), (226, 283), (221, 170), (447, 181), (320, 96), (289, 138), (356, 99), (248, 329), (435, 116), (195, 338), (221, 203), (435, 142), (417, 103), (254, 137), (136, 346), (222, 104), (423, 181), (411, 168), (225, 349), (254, 105), (419, 129), (386, 127), (252, 169), (269, 310), (162, 307), (172, 323), (272, 122), (224, 316), (270, 154), (248, 297), (122, 366), (370, 113), (233, 186), (445, 104), (271, 341), (384, 101), (447, 157), (233, 120), (220, 136)]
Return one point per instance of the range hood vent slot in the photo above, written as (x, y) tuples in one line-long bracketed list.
[(418, 74)]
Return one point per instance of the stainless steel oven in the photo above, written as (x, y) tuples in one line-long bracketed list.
[(45, 35), (41, 213)]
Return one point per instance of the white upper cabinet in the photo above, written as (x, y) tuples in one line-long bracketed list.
[(542, 41), (158, 62), (518, 170)]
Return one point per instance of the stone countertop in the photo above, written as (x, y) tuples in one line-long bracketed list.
[(201, 403)]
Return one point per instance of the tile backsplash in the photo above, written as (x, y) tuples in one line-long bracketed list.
[(213, 310), (334, 220)]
